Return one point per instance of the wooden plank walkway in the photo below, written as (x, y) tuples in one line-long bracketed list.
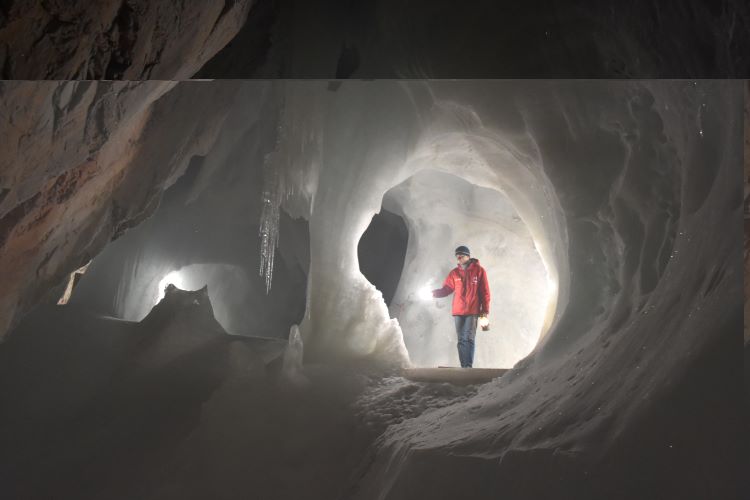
[(453, 375)]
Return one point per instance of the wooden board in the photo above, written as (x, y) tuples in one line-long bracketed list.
[(453, 375)]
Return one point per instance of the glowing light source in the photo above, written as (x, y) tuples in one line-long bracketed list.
[(425, 293), (175, 278)]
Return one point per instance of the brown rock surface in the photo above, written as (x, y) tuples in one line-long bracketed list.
[(747, 212), (114, 39)]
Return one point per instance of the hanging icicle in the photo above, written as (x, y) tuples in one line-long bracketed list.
[(297, 148), (269, 217), (269, 227)]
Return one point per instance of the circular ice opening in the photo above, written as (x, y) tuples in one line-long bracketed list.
[(443, 211)]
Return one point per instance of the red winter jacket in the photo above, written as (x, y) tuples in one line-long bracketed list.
[(472, 291)]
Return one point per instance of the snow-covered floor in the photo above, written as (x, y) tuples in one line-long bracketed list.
[(173, 407)]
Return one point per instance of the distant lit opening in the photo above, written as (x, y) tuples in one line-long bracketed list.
[(443, 211)]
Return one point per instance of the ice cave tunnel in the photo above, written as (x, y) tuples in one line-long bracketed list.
[(607, 213), (443, 210)]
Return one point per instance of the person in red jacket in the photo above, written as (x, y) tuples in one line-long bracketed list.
[(471, 300)]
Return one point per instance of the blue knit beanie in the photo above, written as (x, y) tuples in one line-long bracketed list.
[(462, 250)]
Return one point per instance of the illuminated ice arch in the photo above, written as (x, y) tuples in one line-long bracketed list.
[(441, 212), (517, 220), (346, 316)]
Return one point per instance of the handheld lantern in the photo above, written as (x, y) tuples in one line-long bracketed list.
[(484, 322)]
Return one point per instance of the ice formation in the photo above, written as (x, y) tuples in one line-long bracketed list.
[(292, 361), (206, 230), (623, 187), (375, 137), (296, 152), (601, 160), (626, 194)]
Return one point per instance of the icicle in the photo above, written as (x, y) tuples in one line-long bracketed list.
[(269, 220), (297, 148), (269, 217), (269, 238)]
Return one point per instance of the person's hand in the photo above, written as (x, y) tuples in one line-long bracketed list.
[(484, 322)]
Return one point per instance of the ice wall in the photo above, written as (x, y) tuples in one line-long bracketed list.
[(632, 193), (590, 158)]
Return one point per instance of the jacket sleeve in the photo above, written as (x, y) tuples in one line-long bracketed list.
[(447, 287), (484, 294)]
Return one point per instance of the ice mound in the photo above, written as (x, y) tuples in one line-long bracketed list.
[(182, 321), (292, 368), (176, 301)]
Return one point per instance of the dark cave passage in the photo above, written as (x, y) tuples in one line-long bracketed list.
[(381, 252)]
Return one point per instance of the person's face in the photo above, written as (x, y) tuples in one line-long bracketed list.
[(462, 259)]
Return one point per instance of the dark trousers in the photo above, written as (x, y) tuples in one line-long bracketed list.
[(466, 330)]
